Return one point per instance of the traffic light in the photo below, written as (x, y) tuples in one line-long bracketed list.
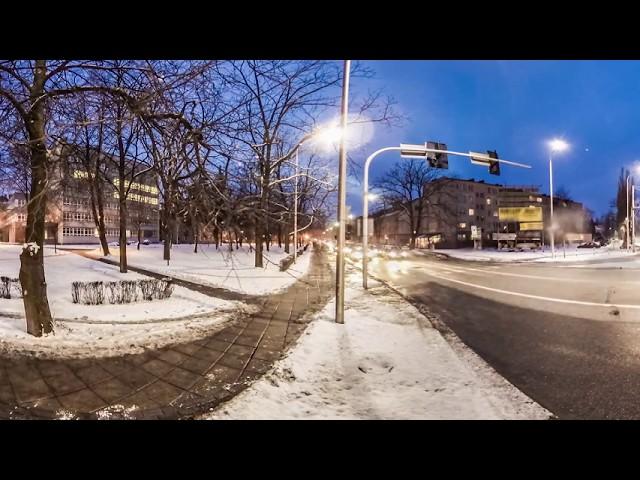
[(437, 160), (494, 167)]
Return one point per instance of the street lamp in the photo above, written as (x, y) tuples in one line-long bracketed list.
[(409, 151), (630, 217), (342, 195), (555, 145), (328, 135)]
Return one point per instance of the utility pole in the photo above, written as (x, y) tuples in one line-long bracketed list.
[(342, 196)]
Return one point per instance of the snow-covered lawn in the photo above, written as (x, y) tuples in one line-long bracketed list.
[(570, 254), (106, 328), (220, 268), (385, 362)]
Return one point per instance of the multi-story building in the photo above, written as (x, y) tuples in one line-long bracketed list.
[(69, 217), (457, 208)]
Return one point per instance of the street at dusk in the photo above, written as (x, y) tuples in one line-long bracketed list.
[(211, 240)]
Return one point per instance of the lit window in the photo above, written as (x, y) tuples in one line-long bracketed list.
[(462, 225), (539, 200), (488, 201), (472, 211)]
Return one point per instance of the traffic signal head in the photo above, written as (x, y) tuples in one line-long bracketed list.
[(438, 160), (494, 167)]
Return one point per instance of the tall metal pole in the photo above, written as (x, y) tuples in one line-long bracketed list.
[(553, 250), (633, 218), (342, 196), (365, 213), (628, 222), (295, 212)]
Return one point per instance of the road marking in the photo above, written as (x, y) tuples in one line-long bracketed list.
[(538, 277), (536, 297)]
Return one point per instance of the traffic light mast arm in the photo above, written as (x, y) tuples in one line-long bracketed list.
[(507, 162)]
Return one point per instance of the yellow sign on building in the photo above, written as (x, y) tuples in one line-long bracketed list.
[(531, 226), (520, 214)]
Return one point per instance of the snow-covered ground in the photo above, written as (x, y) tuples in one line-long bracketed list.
[(385, 362), (104, 329), (220, 268), (570, 254)]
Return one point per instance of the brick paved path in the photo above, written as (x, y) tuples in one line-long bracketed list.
[(178, 381)]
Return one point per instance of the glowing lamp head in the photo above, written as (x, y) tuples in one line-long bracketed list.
[(557, 145)]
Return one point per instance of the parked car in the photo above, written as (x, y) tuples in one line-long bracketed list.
[(589, 245), (146, 241)]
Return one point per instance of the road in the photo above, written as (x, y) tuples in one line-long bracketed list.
[(566, 335)]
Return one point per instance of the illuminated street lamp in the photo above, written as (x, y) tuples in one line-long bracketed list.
[(630, 222), (555, 146), (328, 135)]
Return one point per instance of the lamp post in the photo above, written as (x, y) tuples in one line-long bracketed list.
[(295, 211), (408, 151), (627, 219), (555, 145), (342, 196)]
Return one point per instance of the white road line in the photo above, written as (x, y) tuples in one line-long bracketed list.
[(538, 277), (536, 297)]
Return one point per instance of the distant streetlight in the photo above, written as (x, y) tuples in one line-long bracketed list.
[(630, 217), (556, 145)]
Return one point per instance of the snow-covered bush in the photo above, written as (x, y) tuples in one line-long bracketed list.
[(129, 291), (93, 293), (5, 286), (124, 291), (10, 284)]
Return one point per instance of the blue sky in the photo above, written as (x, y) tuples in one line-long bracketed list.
[(515, 107)]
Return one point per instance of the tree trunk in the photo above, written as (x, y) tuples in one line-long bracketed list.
[(97, 203), (123, 225), (195, 238), (32, 278), (167, 230), (139, 236)]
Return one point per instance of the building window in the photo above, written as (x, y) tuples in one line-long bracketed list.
[(462, 225), (539, 200), (488, 201), (495, 214), (472, 212)]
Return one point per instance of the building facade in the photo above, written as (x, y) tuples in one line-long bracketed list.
[(460, 213), (69, 216)]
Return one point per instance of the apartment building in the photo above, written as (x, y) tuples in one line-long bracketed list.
[(459, 212), (69, 217)]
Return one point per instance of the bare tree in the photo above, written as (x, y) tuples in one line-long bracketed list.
[(411, 186)]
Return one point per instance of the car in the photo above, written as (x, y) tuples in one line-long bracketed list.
[(146, 241), (589, 245)]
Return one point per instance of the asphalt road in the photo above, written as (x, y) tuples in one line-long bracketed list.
[(566, 335)]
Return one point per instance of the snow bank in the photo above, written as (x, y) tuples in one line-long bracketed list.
[(233, 270), (570, 254), (385, 362), (105, 330)]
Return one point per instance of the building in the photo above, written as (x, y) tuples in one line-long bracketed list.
[(69, 217), (460, 213)]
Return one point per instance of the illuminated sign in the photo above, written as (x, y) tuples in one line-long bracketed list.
[(531, 226), (520, 214)]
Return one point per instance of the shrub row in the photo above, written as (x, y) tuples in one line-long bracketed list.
[(124, 291), (7, 285)]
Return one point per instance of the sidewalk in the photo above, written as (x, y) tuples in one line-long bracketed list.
[(386, 362), (179, 381)]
